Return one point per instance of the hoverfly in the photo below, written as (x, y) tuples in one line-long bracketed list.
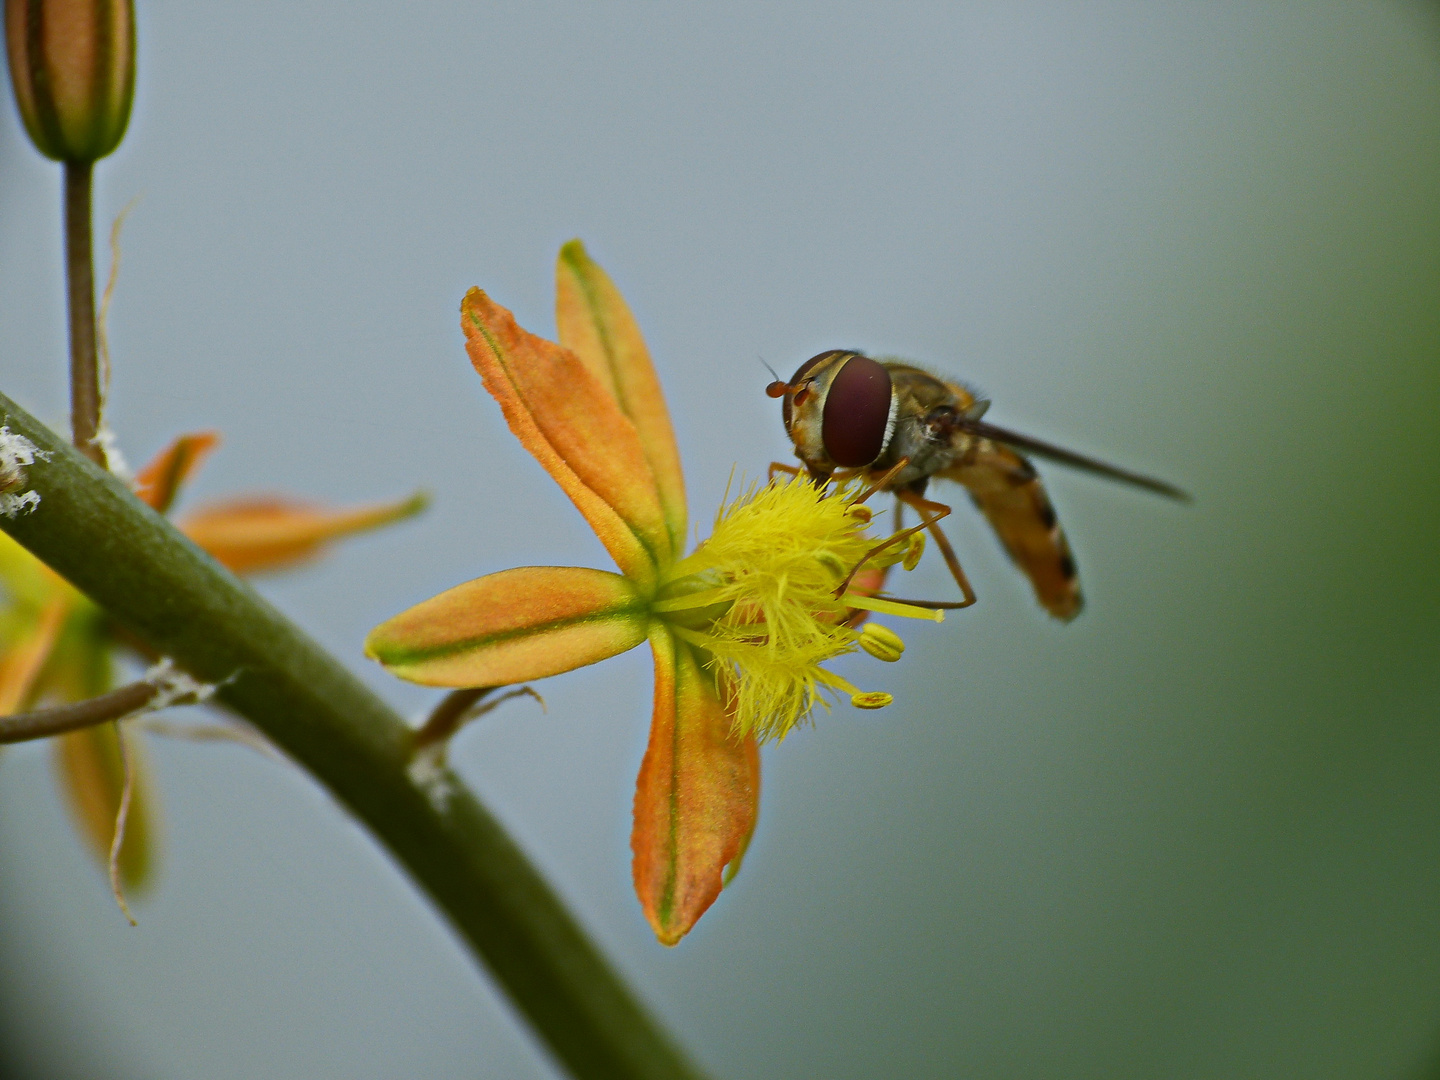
[(897, 426)]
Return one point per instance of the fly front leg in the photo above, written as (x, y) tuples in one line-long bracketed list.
[(879, 483), (818, 478)]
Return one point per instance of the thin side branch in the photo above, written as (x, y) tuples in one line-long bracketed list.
[(445, 719), (43, 723), (458, 708)]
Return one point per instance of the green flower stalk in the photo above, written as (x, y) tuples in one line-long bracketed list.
[(73, 66)]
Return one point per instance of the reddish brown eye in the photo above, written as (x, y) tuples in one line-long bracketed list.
[(799, 376), (857, 412)]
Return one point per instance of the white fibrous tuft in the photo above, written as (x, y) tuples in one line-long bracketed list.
[(12, 505), (427, 772), (16, 454), (114, 459), (174, 687)]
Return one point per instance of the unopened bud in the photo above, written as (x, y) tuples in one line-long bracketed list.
[(73, 66), (913, 550), (871, 699)]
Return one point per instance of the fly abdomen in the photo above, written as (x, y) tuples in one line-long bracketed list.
[(1007, 491)]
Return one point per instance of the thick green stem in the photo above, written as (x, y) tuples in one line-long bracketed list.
[(179, 601), (80, 292)]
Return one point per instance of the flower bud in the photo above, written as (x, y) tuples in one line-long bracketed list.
[(881, 642), (73, 66)]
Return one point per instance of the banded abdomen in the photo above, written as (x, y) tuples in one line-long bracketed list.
[(1008, 492)]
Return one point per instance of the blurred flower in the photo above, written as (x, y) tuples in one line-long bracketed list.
[(73, 66), (56, 646), (739, 629)]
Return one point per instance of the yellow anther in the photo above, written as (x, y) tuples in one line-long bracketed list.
[(872, 699), (913, 550), (881, 642), (860, 512)]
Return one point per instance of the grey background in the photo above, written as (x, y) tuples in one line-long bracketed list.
[(1194, 834)]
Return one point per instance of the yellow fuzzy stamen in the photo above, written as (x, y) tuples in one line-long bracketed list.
[(914, 548), (759, 598)]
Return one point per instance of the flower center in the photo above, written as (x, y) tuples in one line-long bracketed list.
[(762, 599)]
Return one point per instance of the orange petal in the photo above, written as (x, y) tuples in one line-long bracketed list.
[(564, 416), (697, 797), (247, 535), (512, 627), (160, 481), (88, 763), (22, 663), (595, 323)]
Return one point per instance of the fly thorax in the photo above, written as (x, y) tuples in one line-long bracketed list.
[(930, 449)]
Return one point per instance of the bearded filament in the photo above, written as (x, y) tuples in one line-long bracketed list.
[(758, 599)]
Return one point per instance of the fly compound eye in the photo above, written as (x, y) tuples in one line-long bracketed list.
[(856, 419)]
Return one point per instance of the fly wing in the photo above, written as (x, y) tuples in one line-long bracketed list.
[(1004, 486)]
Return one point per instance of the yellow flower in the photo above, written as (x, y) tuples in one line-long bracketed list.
[(738, 629), (56, 646)]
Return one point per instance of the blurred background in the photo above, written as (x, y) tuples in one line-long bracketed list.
[(1194, 834)]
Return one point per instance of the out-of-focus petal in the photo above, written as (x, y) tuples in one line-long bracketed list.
[(595, 323), (249, 535), (512, 627), (697, 796), (563, 415), (88, 763), (25, 582), (160, 481), (24, 659)]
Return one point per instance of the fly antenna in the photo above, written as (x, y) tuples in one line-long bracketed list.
[(777, 389)]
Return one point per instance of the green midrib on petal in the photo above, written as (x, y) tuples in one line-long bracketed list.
[(396, 655)]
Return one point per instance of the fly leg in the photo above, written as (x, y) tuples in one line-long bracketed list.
[(878, 484), (930, 514), (819, 479), (904, 534)]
